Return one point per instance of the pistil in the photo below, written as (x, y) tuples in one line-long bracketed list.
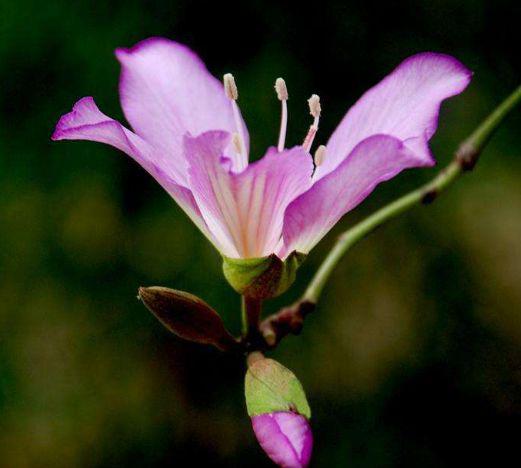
[(314, 110), (239, 142), (282, 94)]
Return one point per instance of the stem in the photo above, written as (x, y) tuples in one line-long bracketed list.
[(251, 312), (465, 159), (477, 140), (254, 357), (244, 317)]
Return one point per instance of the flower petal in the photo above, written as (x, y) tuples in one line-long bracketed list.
[(285, 437), (87, 122), (166, 91), (245, 211), (405, 105), (313, 214)]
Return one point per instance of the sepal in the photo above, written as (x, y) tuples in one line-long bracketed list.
[(270, 387), (263, 277)]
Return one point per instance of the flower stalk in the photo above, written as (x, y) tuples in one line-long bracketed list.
[(251, 312), (464, 160)]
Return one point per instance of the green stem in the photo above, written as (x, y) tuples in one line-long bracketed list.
[(480, 137), (465, 159), (244, 317)]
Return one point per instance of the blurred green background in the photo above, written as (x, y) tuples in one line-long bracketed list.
[(413, 356)]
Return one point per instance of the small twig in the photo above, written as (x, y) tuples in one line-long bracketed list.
[(287, 320), (251, 312), (469, 151)]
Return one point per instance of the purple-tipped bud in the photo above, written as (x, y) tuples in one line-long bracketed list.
[(285, 437)]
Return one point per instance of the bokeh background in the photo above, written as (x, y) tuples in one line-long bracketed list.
[(413, 356)]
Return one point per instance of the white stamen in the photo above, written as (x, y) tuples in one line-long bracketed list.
[(320, 155), (314, 106), (314, 110), (230, 88), (282, 91), (239, 142), (282, 94)]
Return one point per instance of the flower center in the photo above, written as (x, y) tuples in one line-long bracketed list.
[(238, 141)]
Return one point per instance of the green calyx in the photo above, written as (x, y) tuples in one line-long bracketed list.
[(271, 387), (263, 277)]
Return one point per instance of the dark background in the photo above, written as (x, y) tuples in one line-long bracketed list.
[(413, 356)]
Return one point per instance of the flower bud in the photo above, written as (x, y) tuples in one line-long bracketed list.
[(286, 438), (279, 412), (188, 317)]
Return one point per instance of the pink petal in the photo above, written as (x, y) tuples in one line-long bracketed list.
[(405, 105), (285, 437), (166, 91), (87, 122), (245, 211), (313, 214)]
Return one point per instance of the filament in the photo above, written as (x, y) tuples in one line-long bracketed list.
[(282, 94), (232, 93)]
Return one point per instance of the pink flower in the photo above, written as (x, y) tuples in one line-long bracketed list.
[(190, 136), (285, 437)]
